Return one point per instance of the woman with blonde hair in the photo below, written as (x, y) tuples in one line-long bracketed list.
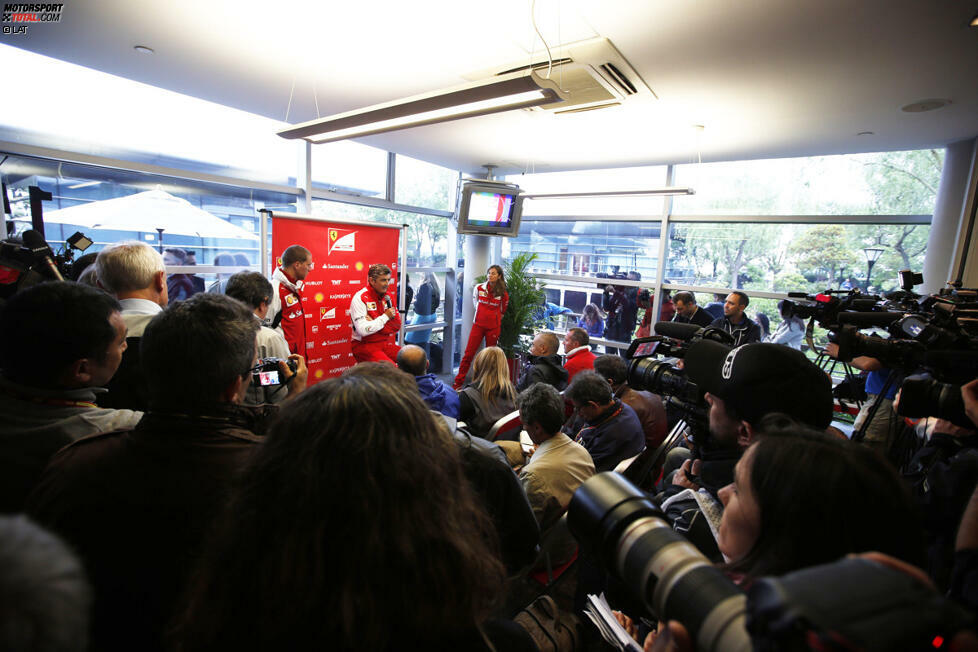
[(490, 396)]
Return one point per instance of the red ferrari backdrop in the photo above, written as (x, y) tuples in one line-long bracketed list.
[(341, 255)]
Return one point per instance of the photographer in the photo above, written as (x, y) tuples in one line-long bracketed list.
[(800, 499), (942, 475), (883, 430), (255, 291), (743, 385)]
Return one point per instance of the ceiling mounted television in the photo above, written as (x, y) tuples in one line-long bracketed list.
[(488, 208)]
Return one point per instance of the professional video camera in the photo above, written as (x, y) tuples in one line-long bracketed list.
[(266, 371), (850, 604), (29, 260), (661, 377)]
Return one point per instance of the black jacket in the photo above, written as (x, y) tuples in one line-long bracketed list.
[(136, 505), (543, 369)]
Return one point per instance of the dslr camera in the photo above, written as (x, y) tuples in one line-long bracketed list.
[(851, 604)]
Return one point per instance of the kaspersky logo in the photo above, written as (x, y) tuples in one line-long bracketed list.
[(341, 240)]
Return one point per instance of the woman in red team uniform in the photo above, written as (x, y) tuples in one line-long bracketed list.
[(490, 300)]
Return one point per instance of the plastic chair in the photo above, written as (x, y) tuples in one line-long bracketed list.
[(507, 427), (624, 464)]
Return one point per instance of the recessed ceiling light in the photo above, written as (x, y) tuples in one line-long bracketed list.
[(974, 21), (925, 105), (866, 133), (143, 49)]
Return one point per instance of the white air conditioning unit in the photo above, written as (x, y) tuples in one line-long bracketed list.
[(592, 73)]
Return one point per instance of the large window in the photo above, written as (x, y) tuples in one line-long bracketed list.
[(587, 248), (209, 224), (793, 257), (886, 183), (422, 184), (350, 168), (66, 106)]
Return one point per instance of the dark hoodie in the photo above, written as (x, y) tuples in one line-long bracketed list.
[(543, 369)]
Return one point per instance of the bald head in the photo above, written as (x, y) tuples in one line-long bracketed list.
[(413, 360)]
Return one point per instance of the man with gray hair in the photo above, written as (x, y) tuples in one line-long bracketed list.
[(376, 321), (606, 427), (137, 504), (134, 273)]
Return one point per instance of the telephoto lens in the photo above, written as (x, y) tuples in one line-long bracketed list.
[(617, 524)]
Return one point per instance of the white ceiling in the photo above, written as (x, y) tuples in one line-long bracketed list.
[(766, 78)]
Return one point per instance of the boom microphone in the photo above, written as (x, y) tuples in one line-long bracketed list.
[(676, 330), (868, 319), (42, 252)]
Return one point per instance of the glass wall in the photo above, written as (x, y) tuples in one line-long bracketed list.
[(349, 168), (819, 221), (886, 183), (61, 105), (588, 248), (422, 184), (793, 257)]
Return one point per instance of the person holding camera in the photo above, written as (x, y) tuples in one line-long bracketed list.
[(136, 504), (743, 385), (255, 291), (881, 389)]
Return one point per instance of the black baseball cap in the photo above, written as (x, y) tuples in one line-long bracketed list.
[(758, 379)]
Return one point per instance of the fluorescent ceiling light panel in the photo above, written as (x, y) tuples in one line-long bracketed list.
[(613, 193), (504, 93)]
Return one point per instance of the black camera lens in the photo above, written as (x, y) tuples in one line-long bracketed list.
[(614, 521)]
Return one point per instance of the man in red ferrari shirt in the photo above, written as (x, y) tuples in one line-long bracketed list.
[(578, 352), (376, 321), (285, 311)]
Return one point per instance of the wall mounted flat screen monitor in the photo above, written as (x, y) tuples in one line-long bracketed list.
[(489, 209)]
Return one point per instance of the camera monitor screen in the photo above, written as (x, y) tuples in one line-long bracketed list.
[(268, 378), (489, 208)]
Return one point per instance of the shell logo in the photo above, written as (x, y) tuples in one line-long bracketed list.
[(359, 266), (319, 374), (319, 297)]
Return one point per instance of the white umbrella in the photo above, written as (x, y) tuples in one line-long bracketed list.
[(153, 210)]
